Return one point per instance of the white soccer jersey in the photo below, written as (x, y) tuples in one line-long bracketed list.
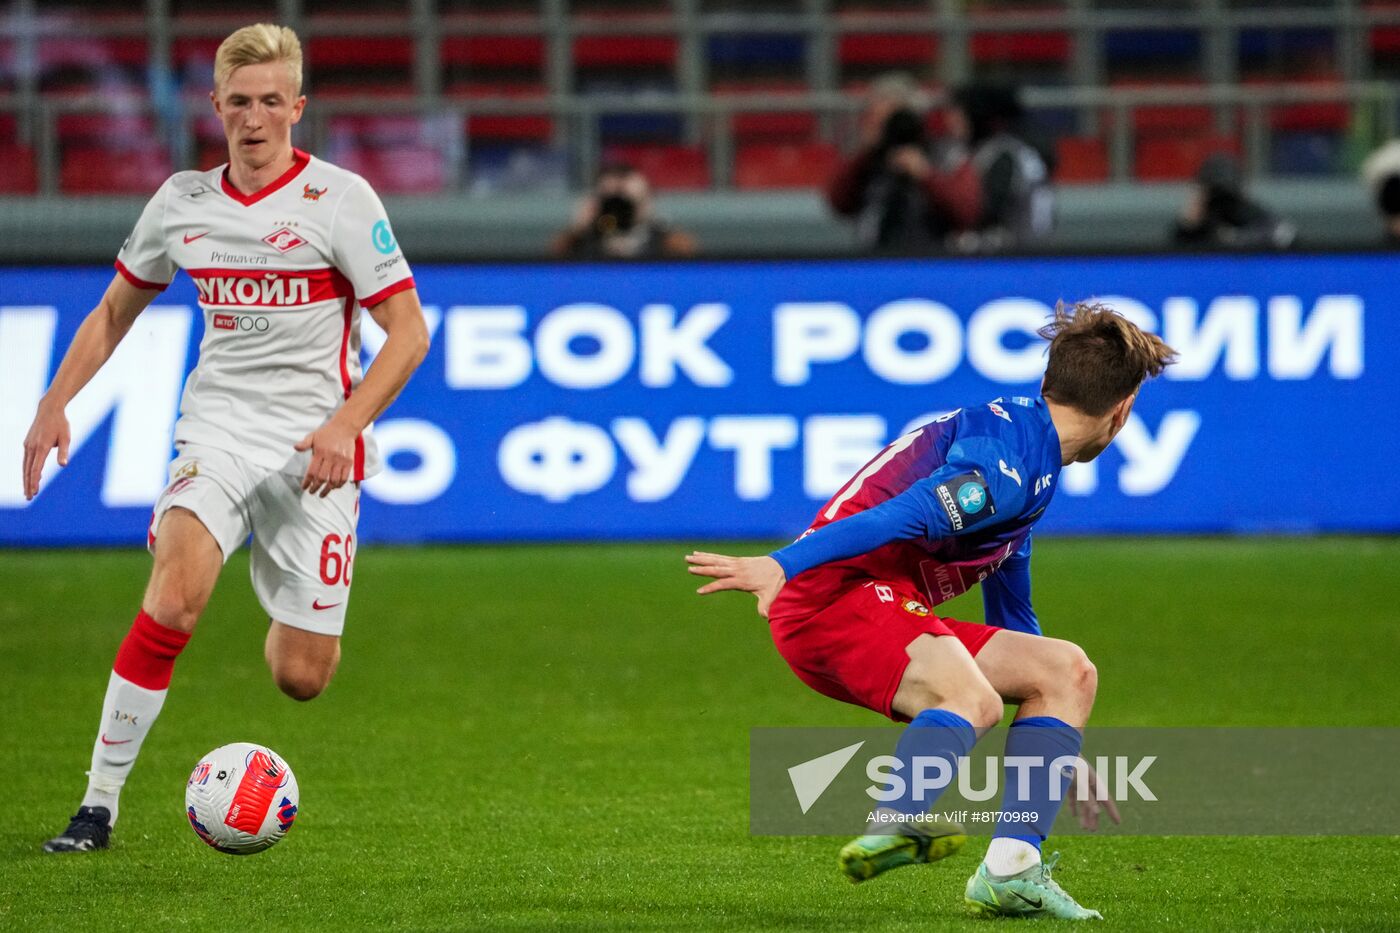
[(282, 276)]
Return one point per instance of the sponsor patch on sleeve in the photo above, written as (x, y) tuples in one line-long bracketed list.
[(966, 499)]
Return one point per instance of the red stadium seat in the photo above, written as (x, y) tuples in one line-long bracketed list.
[(790, 127), (120, 130), (1178, 158), (1171, 118), (209, 154), (91, 170), (343, 86), (194, 50), (1385, 40), (510, 128), (771, 126), (494, 51), (485, 90), (1081, 160), (1318, 116), (624, 51), (810, 165), (376, 52), (18, 174), (92, 52), (668, 168), (891, 50), (1020, 47)]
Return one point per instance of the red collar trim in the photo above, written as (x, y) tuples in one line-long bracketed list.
[(299, 162)]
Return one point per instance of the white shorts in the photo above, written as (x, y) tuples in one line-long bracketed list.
[(303, 545)]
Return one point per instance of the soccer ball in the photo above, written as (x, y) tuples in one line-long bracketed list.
[(241, 798)]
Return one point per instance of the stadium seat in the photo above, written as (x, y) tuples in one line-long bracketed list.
[(757, 56), (510, 127), (1285, 54), (18, 174), (399, 154), (1020, 47), (358, 52), (810, 165), (890, 50), (522, 168), (94, 52), (1385, 41), (498, 90), (1152, 53), (766, 125), (399, 168), (1081, 160), (625, 52), (494, 52), (350, 66), (1178, 158), (668, 168), (1167, 118), (791, 126), (101, 171), (209, 155), (759, 51), (1305, 153), (121, 131), (1315, 116)]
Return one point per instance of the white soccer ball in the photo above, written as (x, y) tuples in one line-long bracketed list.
[(241, 798)]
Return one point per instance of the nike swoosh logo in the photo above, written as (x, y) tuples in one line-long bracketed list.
[(317, 605), (107, 741), (190, 239), (1034, 903)]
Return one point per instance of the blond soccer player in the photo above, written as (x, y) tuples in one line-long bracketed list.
[(274, 435)]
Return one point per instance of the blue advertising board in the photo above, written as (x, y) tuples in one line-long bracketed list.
[(730, 399)]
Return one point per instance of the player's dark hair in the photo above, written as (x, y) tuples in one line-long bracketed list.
[(1098, 357)]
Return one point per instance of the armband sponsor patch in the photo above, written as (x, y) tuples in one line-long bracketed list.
[(966, 499)]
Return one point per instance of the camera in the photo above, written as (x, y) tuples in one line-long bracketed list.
[(616, 214), (903, 127)]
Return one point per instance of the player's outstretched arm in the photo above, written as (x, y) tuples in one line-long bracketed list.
[(762, 576), (332, 445), (92, 346)]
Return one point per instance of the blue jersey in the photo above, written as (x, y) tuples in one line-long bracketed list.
[(940, 509)]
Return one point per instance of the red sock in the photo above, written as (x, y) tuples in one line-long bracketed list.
[(147, 655)]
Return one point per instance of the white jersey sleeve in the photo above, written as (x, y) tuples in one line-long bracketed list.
[(144, 259), (364, 249)]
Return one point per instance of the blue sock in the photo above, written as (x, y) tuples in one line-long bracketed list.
[(934, 733), (1045, 738)]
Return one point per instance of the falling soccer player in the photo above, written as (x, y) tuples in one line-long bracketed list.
[(273, 437), (940, 509)]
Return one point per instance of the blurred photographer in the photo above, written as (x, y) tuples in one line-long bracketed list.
[(1381, 171), (1017, 201), (1217, 213), (616, 220), (906, 192)]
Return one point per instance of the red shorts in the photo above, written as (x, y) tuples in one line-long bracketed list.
[(854, 649)]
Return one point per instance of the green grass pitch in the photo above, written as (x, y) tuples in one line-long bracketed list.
[(556, 737)]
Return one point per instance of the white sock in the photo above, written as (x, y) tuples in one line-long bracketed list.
[(128, 712), (1006, 856)]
